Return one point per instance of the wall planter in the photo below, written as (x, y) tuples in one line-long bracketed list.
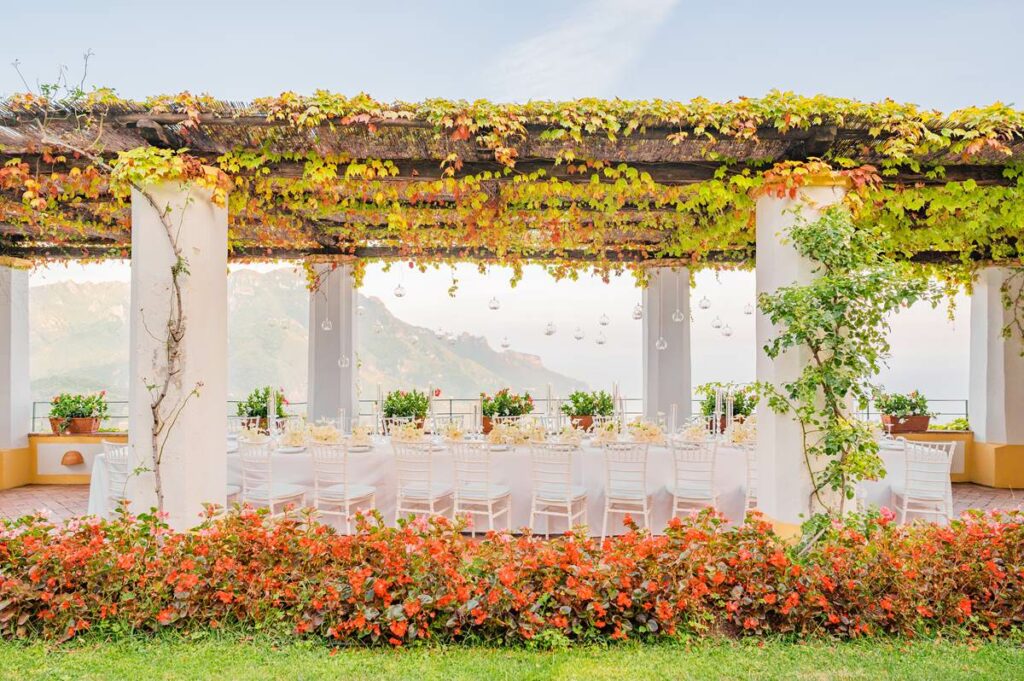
[(584, 422), (83, 426), (907, 424)]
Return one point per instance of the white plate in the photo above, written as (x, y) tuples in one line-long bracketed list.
[(290, 450), (500, 448), (360, 448)]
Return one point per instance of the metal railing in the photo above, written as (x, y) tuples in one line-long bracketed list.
[(944, 410)]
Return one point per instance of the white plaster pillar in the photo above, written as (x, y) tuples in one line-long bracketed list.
[(194, 460), (15, 390), (667, 372), (784, 484), (332, 353), (996, 396)]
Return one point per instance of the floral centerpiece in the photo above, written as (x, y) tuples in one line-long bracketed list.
[(582, 407), (452, 431), (744, 433), (362, 435), (503, 403), (571, 436), (506, 434), (696, 430), (606, 432), (324, 434), (410, 404), (294, 436), (407, 432), (254, 407), (253, 435), (78, 413), (744, 401), (644, 431), (903, 413)]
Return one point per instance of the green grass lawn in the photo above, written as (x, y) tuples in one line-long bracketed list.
[(230, 657)]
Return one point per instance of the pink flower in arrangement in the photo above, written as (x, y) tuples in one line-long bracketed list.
[(888, 515), (437, 392)]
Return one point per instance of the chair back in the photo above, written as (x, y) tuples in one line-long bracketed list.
[(625, 468), (389, 422), (551, 469), (256, 467), (414, 466), (695, 464), (751, 453), (236, 424), (472, 461), (507, 420), (438, 422), (330, 465), (552, 423), (928, 466), (117, 458)]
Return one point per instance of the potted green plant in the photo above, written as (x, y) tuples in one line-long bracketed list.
[(582, 407), (960, 424), (411, 404), (254, 407), (503, 403), (903, 413), (78, 414), (744, 400)]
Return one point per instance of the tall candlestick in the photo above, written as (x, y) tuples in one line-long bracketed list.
[(271, 410)]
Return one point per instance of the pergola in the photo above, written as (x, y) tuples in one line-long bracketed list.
[(656, 187)]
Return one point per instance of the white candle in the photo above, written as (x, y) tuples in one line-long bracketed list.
[(271, 411)]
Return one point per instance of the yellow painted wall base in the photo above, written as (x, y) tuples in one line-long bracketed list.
[(17, 467), (965, 436), (998, 465)]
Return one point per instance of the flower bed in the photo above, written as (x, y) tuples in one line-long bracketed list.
[(427, 581)]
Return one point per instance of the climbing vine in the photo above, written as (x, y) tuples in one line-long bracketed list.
[(839, 324)]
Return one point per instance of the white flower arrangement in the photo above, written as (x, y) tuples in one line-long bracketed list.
[(606, 432), (407, 432), (743, 433), (453, 432), (571, 436), (505, 434), (646, 432), (252, 436), (361, 435), (324, 434), (694, 431)]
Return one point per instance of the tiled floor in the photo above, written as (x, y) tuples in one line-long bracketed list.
[(64, 501)]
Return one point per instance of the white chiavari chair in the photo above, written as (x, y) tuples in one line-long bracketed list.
[(694, 486), (554, 494), (258, 486), (750, 451), (927, 489), (389, 422), (333, 493), (235, 426), (552, 423), (439, 422), (625, 482), (419, 490), (117, 457), (476, 491)]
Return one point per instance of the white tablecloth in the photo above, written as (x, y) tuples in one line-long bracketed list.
[(513, 469)]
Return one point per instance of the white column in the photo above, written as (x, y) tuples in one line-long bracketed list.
[(15, 392), (193, 464), (667, 371), (996, 397), (784, 484), (332, 353)]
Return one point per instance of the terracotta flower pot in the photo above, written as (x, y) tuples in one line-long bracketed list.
[(722, 422), (585, 422), (57, 425), (83, 426), (487, 424), (909, 424)]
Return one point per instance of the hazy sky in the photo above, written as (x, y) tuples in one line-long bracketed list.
[(933, 52)]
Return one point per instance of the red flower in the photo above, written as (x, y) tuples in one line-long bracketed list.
[(437, 392)]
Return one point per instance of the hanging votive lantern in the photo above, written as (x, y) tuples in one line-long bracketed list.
[(399, 291), (604, 321), (578, 333), (326, 325), (748, 309), (716, 323), (727, 330), (494, 303), (550, 329), (704, 303), (661, 343), (600, 340), (504, 343), (638, 311), (678, 316), (344, 361)]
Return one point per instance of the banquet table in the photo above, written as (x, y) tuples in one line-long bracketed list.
[(512, 468)]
